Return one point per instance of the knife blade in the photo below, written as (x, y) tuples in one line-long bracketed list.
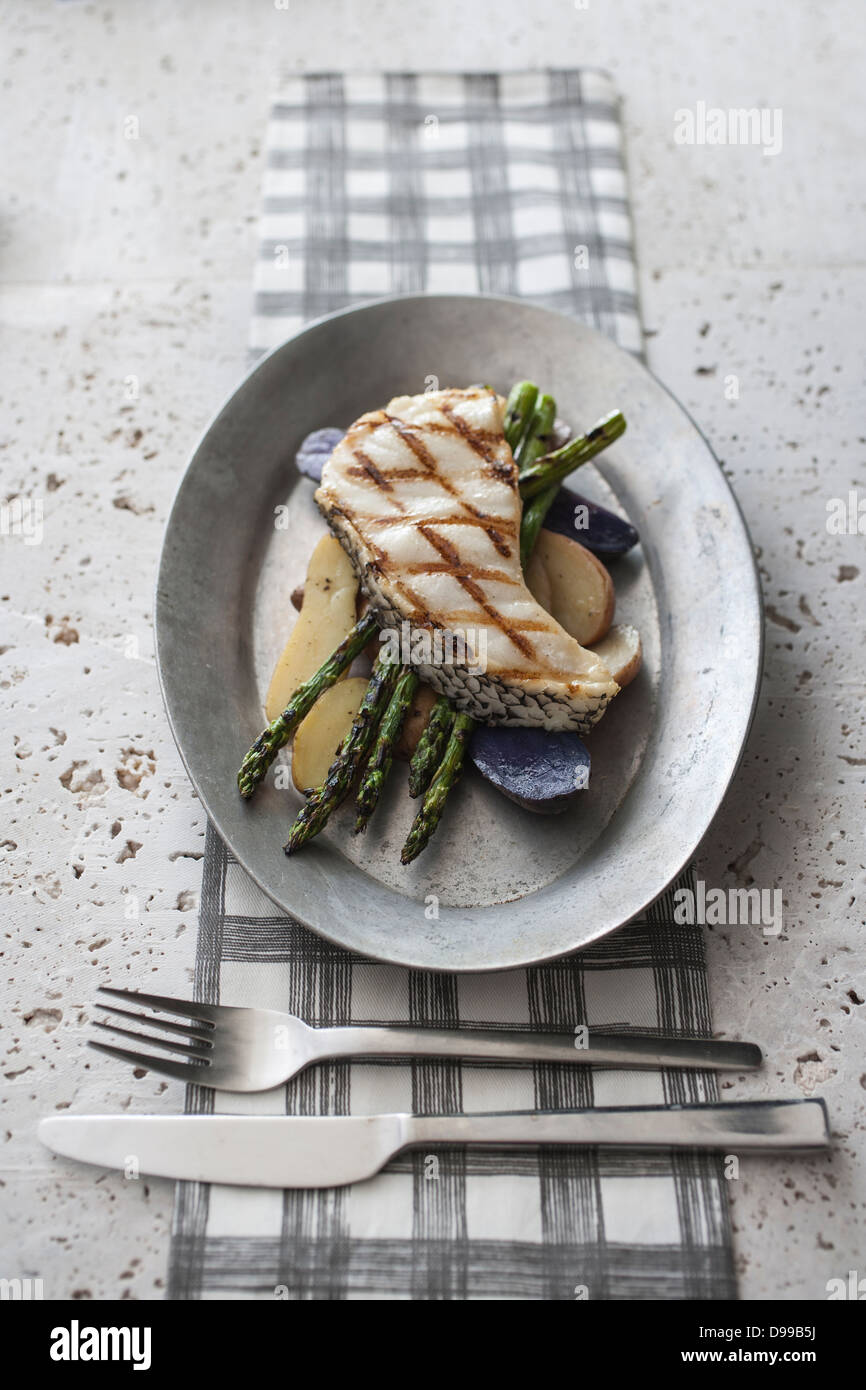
[(332, 1150)]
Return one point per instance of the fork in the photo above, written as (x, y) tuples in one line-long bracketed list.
[(237, 1049)]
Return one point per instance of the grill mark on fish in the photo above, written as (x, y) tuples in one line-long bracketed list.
[(518, 673), (503, 473), (474, 571), (480, 441), (369, 470), (502, 524), (467, 615), (419, 449), (452, 556), (488, 436), (421, 617), (406, 475), (422, 453), (473, 437), (366, 423)]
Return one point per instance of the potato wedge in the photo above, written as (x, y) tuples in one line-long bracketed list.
[(581, 594), (415, 722), (327, 615), (321, 733), (538, 581), (620, 650)]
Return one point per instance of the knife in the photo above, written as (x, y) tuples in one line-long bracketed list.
[(331, 1150)]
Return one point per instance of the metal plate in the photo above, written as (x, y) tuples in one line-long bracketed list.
[(510, 888)]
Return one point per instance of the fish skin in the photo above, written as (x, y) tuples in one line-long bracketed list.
[(424, 497)]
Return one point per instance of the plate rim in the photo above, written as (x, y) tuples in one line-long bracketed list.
[(161, 622)]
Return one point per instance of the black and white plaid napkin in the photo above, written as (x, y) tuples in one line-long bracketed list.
[(510, 184)]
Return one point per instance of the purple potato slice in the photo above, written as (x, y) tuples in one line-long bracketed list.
[(315, 451), (540, 770), (601, 531)]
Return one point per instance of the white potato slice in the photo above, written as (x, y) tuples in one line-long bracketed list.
[(579, 592), (538, 581), (321, 733), (326, 617), (621, 652)]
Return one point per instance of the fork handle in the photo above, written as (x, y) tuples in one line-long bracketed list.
[(583, 1047)]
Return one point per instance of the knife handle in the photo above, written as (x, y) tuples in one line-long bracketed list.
[(584, 1047), (786, 1124)]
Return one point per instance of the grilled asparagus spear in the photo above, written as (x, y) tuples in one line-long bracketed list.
[(446, 775), (540, 483), (552, 468), (382, 755), (518, 412), (536, 441), (431, 746)]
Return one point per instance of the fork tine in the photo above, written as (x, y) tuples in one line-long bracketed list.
[(180, 1071), (150, 1022), (202, 1013), (168, 1044)]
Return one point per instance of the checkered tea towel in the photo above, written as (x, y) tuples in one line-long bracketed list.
[(513, 184)]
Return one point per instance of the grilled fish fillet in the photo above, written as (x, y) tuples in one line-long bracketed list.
[(424, 497)]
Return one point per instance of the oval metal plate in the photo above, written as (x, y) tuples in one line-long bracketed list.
[(499, 887)]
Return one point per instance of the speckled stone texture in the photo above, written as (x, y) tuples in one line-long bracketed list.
[(133, 156)]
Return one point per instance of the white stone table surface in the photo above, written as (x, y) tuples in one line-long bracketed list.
[(125, 272)]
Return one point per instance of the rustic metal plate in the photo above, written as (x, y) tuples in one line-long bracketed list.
[(498, 887)]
